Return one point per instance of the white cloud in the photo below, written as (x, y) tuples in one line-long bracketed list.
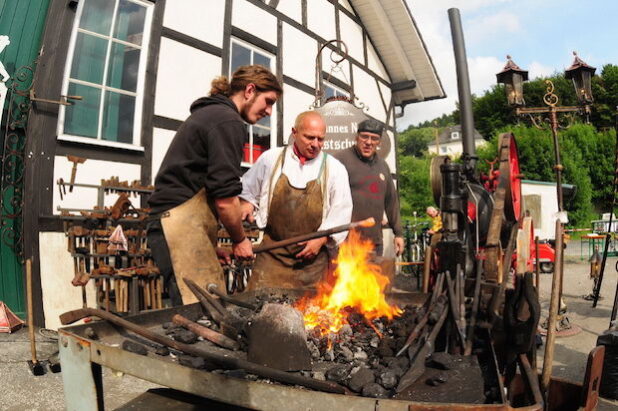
[(432, 21), (482, 72), (537, 69), (484, 27)]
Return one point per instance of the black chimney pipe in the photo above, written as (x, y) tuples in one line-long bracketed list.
[(463, 87)]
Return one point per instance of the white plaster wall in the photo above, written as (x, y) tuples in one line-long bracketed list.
[(184, 74), (321, 19), (391, 158), (295, 102), (299, 52), (161, 140), (374, 63), (454, 148), (340, 71), (91, 172), (254, 20), (367, 91), (549, 207), (386, 94), (346, 4), (352, 35), (204, 21), (57, 272), (292, 9)]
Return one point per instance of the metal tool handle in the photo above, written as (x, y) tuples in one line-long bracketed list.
[(30, 310), (369, 222)]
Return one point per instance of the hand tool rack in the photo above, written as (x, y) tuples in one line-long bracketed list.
[(125, 281)]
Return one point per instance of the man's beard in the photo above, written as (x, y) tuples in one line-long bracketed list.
[(244, 113)]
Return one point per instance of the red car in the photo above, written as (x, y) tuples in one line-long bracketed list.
[(547, 256)]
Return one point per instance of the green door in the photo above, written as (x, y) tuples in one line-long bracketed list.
[(23, 22)]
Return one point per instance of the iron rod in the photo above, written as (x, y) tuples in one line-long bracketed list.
[(369, 222)]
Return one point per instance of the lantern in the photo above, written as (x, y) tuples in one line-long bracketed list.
[(581, 74), (513, 79)]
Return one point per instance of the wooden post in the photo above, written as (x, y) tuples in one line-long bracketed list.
[(427, 268), (537, 270), (554, 304)]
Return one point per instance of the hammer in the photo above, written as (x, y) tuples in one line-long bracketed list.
[(36, 367), (75, 160)]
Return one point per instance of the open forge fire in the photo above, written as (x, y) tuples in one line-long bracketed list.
[(358, 287)]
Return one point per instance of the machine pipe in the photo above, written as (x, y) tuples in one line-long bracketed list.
[(463, 88)]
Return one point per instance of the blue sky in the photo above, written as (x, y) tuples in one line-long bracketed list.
[(540, 35)]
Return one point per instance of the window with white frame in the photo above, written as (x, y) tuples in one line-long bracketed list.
[(455, 135), (259, 134), (331, 90), (106, 66)]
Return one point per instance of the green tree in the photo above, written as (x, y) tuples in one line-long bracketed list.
[(413, 141), (445, 120), (491, 112), (587, 151), (414, 189), (605, 92), (587, 157), (592, 153)]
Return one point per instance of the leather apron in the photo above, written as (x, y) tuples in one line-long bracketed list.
[(190, 231), (292, 212)]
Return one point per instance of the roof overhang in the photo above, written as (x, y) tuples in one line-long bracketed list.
[(403, 52)]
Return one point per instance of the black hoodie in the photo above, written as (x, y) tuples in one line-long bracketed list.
[(205, 152)]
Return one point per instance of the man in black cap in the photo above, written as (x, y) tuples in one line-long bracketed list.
[(373, 190)]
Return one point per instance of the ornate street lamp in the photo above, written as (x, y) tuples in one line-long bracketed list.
[(581, 74), (512, 76), (513, 79)]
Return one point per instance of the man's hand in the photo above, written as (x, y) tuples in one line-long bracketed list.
[(398, 246), (223, 255), (246, 211), (243, 250), (312, 248)]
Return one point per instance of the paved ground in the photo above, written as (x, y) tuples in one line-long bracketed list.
[(19, 390), (571, 352)]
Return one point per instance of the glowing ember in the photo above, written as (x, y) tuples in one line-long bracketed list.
[(359, 286)]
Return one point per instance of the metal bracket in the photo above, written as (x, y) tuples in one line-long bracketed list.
[(63, 99)]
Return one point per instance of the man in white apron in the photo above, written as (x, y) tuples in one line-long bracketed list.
[(296, 190), (199, 181)]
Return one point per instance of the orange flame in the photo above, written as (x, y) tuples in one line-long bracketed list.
[(359, 285)]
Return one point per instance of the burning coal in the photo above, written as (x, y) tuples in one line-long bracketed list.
[(358, 287)]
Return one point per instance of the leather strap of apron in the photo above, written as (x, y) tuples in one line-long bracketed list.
[(191, 234)]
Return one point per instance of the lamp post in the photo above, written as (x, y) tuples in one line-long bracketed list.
[(512, 76)]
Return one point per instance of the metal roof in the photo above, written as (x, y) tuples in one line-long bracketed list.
[(394, 34)]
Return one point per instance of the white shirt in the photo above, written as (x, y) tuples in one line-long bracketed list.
[(256, 186)]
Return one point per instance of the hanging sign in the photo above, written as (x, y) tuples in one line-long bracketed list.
[(342, 119)]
